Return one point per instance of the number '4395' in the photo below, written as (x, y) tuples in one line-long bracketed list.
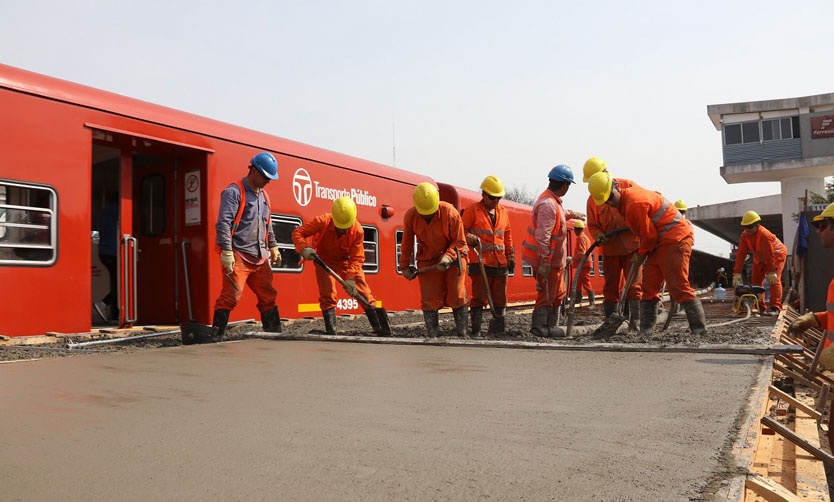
[(348, 304)]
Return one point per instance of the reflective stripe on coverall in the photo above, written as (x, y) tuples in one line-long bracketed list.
[(546, 240), (442, 234), (497, 246), (345, 254), (666, 239), (769, 255), (618, 252)]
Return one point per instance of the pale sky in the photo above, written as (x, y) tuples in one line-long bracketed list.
[(455, 90)]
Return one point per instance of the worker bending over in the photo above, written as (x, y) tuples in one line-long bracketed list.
[(583, 283), (666, 240), (545, 249), (440, 243), (487, 228), (769, 255), (338, 240)]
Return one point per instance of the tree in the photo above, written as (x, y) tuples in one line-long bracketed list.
[(828, 198), (520, 195)]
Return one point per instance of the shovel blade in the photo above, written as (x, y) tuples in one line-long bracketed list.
[(609, 326), (193, 332), (385, 326)]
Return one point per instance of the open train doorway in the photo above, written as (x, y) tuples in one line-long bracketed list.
[(153, 190)]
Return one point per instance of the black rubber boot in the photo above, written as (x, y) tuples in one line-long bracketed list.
[(497, 324), (608, 308), (695, 315), (634, 320), (221, 319), (476, 316), (592, 303), (376, 326), (432, 323), (648, 316), (539, 322), (271, 320), (461, 321), (554, 331), (329, 316)]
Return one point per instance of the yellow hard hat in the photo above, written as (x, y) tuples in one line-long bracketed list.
[(426, 198), (344, 212), (493, 186), (591, 167), (599, 186), (828, 212), (578, 224), (680, 204), (749, 218)]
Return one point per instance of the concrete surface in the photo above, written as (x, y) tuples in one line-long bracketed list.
[(278, 420)]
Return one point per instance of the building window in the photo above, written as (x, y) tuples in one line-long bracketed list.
[(282, 227), (28, 224), (765, 130), (750, 132), (371, 244)]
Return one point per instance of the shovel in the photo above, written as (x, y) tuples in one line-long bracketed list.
[(572, 307), (478, 249), (610, 325), (382, 315)]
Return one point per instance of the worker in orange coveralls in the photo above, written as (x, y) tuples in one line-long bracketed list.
[(769, 255), (583, 242), (666, 240), (438, 228), (545, 249), (825, 320), (487, 228), (617, 251), (338, 240)]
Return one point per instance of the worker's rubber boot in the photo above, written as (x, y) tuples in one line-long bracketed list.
[(695, 315), (432, 323), (373, 319), (553, 328), (329, 316), (476, 316), (220, 321), (539, 322), (497, 325), (461, 321), (591, 300), (608, 308), (634, 318), (271, 320), (648, 316)]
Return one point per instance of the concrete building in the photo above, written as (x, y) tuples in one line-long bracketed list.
[(786, 140)]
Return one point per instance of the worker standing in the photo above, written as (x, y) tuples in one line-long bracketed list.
[(824, 222), (438, 228), (583, 283), (617, 251), (666, 240), (486, 225), (338, 240), (545, 249), (247, 245), (769, 255)]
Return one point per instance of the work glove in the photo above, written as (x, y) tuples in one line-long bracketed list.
[(542, 272), (827, 358), (227, 259), (601, 238), (737, 280), (445, 262), (350, 287), (275, 256), (511, 263), (568, 260), (771, 278), (472, 240), (409, 273), (806, 320), (308, 253)]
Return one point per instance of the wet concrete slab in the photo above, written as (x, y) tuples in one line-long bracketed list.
[(301, 420)]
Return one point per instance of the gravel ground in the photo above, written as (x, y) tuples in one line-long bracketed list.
[(409, 324)]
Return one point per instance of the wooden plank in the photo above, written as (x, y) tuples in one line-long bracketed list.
[(811, 480), (769, 490), (797, 377), (798, 440), (794, 402)]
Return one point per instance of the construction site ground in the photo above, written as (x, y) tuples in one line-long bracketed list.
[(665, 417)]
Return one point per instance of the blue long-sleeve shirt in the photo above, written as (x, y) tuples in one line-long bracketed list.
[(252, 232)]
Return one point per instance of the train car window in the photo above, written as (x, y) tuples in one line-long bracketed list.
[(28, 224), (282, 226), (371, 243), (399, 251), (599, 266), (593, 268), (526, 270), (152, 205)]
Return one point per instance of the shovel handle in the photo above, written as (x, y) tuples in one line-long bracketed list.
[(318, 261), (485, 280)]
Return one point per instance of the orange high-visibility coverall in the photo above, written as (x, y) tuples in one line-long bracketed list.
[(769, 255), (345, 254), (618, 252), (666, 240), (496, 248), (825, 319), (583, 242), (546, 241), (441, 235)]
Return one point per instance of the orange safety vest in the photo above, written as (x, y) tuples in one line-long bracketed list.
[(496, 240), (826, 319), (557, 249)]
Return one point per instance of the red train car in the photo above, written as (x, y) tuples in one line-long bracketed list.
[(66, 148)]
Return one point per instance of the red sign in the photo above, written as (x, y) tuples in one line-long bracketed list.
[(822, 127)]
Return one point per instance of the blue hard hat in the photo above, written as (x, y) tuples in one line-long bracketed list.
[(561, 173), (266, 164)]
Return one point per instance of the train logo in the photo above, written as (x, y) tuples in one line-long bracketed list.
[(302, 187)]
